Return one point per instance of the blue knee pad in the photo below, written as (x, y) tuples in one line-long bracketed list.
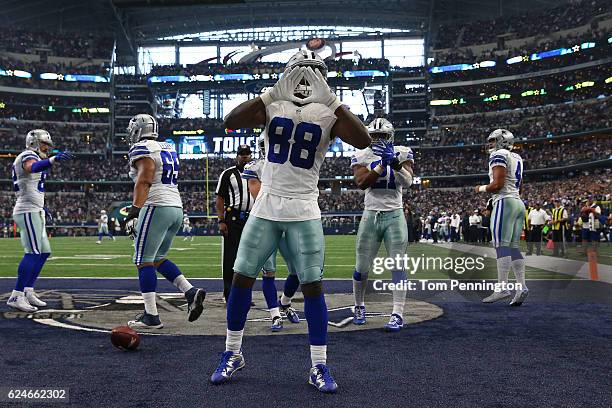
[(26, 269), (292, 283), (169, 270), (269, 291), (515, 253), (360, 276), (315, 310), (147, 278), (238, 305), (502, 252)]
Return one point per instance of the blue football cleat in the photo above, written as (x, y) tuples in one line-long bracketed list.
[(195, 299), (229, 364), (321, 378), (359, 317), (277, 324), (146, 321), (290, 313), (395, 323)]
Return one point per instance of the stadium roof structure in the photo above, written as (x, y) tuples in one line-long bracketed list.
[(136, 21)]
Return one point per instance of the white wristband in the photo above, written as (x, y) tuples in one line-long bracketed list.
[(52, 160), (266, 98), (379, 169), (482, 189)]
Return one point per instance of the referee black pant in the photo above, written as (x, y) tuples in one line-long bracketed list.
[(558, 240), (230, 250), (535, 236)]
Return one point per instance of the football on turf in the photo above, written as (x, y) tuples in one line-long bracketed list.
[(125, 338)]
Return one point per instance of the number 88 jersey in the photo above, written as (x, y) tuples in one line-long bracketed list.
[(297, 139), (164, 190)]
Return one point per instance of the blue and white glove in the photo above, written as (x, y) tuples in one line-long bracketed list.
[(48, 216), (385, 150), (62, 156)]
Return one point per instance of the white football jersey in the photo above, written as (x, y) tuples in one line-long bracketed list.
[(29, 188), (514, 172), (296, 139), (385, 194), (104, 219), (164, 191), (186, 221), (253, 170)]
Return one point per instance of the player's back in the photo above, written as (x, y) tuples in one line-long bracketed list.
[(297, 139), (513, 163), (29, 187), (164, 189), (104, 219)]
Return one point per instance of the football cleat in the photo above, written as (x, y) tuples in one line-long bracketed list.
[(34, 300), (21, 303), (229, 364), (195, 299), (98, 242), (321, 378), (359, 317), (495, 296), (146, 321), (519, 297), (290, 313), (277, 324), (395, 323)]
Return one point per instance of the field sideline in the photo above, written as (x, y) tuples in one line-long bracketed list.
[(82, 257)]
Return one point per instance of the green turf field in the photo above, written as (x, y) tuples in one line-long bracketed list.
[(82, 257)]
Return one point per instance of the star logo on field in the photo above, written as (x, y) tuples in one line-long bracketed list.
[(257, 76), (274, 76), (60, 77), (576, 48)]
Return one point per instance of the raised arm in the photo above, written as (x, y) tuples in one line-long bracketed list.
[(249, 114), (349, 129)]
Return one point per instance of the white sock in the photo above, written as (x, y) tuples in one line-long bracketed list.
[(285, 301), (399, 300), (182, 284), (318, 354), (359, 289), (16, 293), (274, 312), (503, 269), (28, 289), (233, 341), (518, 266), (149, 302)]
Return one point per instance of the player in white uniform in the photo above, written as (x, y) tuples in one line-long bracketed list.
[(252, 173), (154, 219), (103, 230), (187, 228), (508, 214), (383, 171), (29, 172), (301, 117)]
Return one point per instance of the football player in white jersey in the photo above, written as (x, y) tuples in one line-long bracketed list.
[(383, 171), (508, 214), (301, 116), (252, 173), (187, 228), (29, 172), (103, 230), (154, 219)]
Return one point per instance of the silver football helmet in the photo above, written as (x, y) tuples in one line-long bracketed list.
[(381, 129), (35, 138), (142, 126), (306, 58), (500, 139), (261, 143)]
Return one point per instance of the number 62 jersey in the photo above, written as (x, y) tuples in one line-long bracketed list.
[(297, 139), (164, 190)]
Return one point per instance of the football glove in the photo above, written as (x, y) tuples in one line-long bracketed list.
[(131, 221), (48, 216), (321, 93), (385, 150), (284, 87), (61, 156)]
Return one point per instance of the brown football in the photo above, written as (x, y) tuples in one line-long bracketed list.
[(125, 338)]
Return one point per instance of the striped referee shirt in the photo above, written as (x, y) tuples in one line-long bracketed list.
[(234, 190)]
